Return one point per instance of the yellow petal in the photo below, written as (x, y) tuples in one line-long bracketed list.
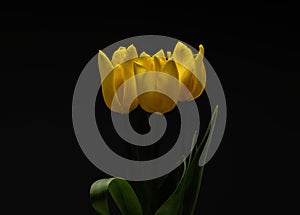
[(119, 56), (144, 54), (191, 72), (169, 85), (109, 90), (200, 73), (146, 61), (171, 69), (199, 56), (122, 55), (158, 63), (107, 79), (201, 49), (131, 52), (169, 55), (119, 75), (160, 54), (192, 83), (151, 63), (122, 73), (104, 65), (184, 56)]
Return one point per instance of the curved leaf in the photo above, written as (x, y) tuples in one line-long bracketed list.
[(173, 204), (195, 172), (184, 198), (167, 185), (120, 191)]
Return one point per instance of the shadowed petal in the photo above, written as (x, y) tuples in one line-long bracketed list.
[(200, 73), (122, 73), (104, 65), (110, 88)]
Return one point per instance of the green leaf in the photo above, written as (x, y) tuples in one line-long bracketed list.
[(167, 185), (173, 204), (120, 191), (195, 172), (184, 199)]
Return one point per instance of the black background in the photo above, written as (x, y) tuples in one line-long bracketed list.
[(253, 49)]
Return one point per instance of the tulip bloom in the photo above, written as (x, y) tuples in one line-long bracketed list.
[(114, 73), (187, 68)]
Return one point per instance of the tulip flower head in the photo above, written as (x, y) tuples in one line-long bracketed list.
[(125, 66)]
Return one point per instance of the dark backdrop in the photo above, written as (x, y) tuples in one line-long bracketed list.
[(253, 49)]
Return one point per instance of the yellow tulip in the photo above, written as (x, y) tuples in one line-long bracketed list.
[(113, 74), (187, 68), (191, 70), (153, 101)]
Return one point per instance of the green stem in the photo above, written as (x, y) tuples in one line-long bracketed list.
[(143, 188)]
